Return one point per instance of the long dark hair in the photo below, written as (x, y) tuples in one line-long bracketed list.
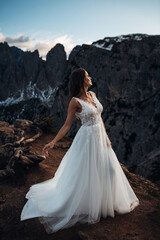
[(76, 82)]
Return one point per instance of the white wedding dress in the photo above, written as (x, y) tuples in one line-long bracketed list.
[(89, 182)]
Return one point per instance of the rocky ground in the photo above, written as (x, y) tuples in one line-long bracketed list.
[(141, 224)]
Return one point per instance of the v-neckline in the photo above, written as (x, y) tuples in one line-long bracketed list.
[(95, 106)]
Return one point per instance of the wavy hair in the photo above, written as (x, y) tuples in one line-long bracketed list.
[(76, 82)]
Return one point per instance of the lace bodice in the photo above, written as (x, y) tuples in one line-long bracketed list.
[(90, 114)]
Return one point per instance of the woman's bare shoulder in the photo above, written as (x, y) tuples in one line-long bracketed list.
[(73, 102)]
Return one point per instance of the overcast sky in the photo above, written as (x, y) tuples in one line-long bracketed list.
[(40, 24)]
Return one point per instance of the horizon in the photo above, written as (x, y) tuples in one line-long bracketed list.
[(42, 24), (67, 54)]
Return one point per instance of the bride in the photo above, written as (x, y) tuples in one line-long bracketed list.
[(89, 182)]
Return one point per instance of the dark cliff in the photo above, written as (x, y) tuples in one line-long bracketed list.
[(125, 71)]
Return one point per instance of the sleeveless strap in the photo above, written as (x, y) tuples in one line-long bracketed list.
[(92, 94), (79, 100), (82, 102)]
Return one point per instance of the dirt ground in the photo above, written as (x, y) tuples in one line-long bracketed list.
[(143, 223)]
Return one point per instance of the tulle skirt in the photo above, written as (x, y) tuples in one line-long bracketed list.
[(89, 183)]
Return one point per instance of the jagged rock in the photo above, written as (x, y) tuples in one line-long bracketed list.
[(33, 109), (4, 55), (25, 74), (150, 167), (125, 72), (56, 64), (30, 61), (125, 79)]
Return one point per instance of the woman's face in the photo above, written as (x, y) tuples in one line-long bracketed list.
[(87, 80)]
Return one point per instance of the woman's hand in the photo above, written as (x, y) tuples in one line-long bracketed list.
[(47, 147), (72, 108)]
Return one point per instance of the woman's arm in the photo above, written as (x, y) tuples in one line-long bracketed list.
[(72, 107)]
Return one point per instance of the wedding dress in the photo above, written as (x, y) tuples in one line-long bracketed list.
[(89, 182)]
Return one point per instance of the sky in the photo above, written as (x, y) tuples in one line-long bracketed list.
[(41, 24)]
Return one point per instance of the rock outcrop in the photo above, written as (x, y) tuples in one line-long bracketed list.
[(13, 149), (125, 71), (24, 75), (55, 65)]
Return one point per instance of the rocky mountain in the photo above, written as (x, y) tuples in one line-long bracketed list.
[(24, 75), (125, 71)]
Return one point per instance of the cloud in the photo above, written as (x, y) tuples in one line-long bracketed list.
[(2, 37), (66, 41), (30, 44), (45, 46), (20, 41)]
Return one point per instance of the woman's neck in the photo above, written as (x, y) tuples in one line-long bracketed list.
[(83, 93)]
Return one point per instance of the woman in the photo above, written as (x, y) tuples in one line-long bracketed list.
[(89, 182)]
